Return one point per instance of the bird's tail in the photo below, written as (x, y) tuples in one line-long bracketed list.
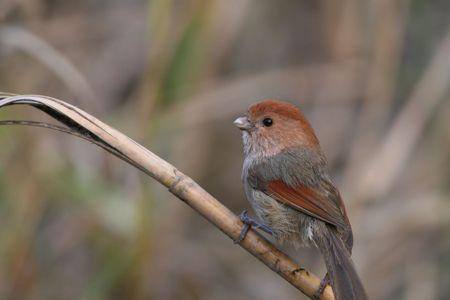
[(342, 273)]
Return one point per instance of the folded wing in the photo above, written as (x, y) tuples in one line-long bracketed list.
[(322, 201)]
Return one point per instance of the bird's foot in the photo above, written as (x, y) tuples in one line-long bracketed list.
[(323, 284), (249, 223)]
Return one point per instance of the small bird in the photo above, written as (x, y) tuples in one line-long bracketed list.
[(287, 183)]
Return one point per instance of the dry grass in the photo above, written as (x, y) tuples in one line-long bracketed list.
[(371, 75)]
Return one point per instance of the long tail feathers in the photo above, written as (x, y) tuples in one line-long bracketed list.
[(344, 279)]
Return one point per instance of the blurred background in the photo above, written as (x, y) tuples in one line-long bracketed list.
[(372, 76)]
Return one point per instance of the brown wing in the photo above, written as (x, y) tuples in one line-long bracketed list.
[(322, 202)]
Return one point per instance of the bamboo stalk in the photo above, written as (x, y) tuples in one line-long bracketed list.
[(182, 186)]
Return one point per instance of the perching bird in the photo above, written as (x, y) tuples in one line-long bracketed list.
[(287, 183)]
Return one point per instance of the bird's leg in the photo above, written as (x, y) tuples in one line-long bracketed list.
[(323, 283), (248, 223)]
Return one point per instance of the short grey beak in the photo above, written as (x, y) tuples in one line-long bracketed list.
[(242, 123)]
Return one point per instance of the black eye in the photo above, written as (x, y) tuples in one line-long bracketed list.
[(267, 122)]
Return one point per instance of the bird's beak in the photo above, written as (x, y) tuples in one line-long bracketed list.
[(242, 123)]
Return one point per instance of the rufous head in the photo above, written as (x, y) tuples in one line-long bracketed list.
[(272, 126)]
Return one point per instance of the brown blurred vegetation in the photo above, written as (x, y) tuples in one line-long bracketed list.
[(372, 76)]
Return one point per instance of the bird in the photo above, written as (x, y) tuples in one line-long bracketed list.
[(287, 182)]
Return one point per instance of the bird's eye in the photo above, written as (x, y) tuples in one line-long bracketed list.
[(267, 122)]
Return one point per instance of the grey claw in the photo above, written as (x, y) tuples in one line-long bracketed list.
[(248, 223), (323, 284), (244, 232)]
